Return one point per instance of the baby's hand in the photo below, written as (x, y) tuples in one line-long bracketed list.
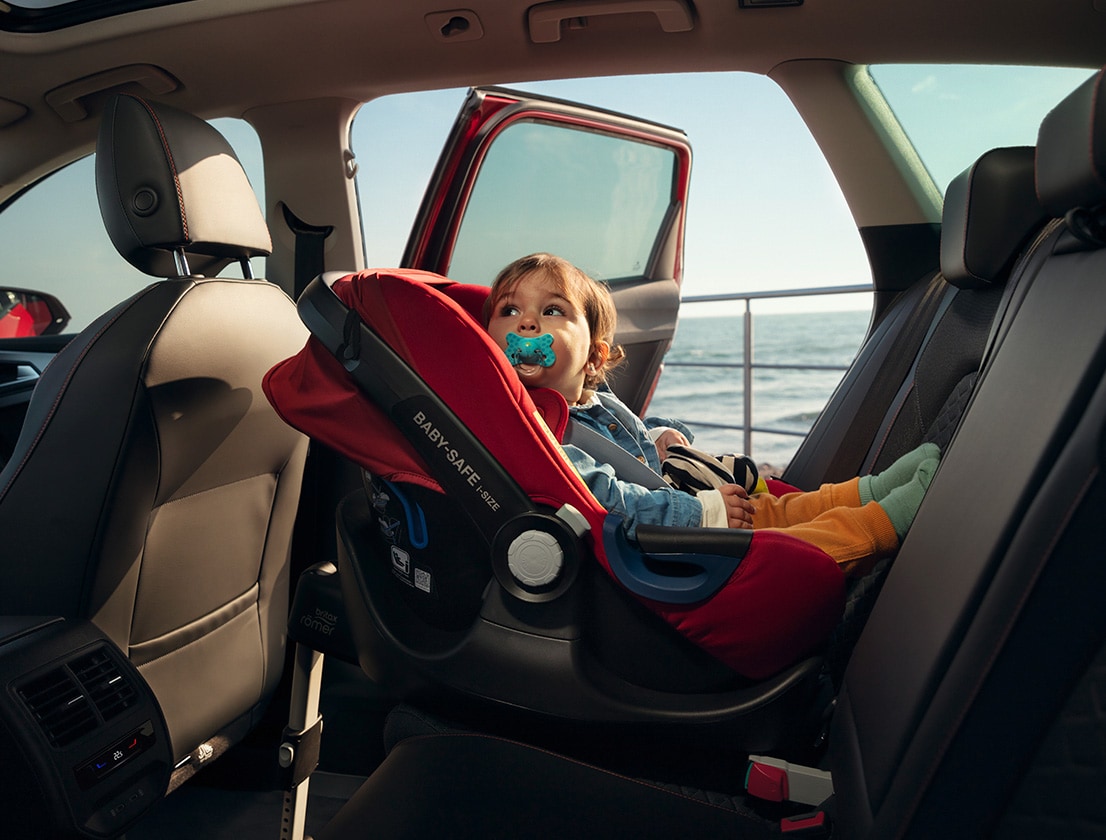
[(667, 438), (739, 510)]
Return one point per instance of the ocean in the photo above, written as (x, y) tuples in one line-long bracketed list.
[(783, 399)]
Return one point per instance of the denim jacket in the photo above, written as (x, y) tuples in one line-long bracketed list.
[(613, 419)]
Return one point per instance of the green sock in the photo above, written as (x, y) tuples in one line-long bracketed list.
[(873, 488), (902, 503)]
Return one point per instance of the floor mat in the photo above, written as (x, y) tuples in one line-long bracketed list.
[(218, 814)]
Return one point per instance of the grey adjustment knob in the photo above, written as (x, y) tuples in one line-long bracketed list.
[(535, 558)]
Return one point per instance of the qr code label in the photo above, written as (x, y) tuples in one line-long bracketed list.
[(422, 580)]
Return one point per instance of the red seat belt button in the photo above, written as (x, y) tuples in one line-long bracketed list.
[(766, 782)]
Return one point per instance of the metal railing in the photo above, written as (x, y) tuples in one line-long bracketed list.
[(748, 364)]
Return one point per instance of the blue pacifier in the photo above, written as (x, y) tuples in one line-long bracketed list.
[(530, 351)]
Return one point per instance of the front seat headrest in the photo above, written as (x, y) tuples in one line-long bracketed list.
[(170, 185)]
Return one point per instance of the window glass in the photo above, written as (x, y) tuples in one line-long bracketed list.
[(54, 241), (53, 238), (397, 141), (954, 113), (594, 199)]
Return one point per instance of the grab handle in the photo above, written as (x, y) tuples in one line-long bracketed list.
[(545, 18)]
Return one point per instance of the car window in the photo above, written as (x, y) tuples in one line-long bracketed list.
[(565, 186), (53, 239), (954, 113)]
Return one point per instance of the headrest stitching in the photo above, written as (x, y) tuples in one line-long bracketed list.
[(172, 163)]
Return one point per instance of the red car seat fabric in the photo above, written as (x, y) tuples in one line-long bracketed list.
[(779, 604)]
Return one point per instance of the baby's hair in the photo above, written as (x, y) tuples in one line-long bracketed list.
[(592, 296)]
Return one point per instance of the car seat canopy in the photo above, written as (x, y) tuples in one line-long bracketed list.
[(456, 359)]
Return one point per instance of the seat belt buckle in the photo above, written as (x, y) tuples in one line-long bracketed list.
[(813, 825), (775, 780)]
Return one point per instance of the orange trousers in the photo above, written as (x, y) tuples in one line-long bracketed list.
[(833, 519)]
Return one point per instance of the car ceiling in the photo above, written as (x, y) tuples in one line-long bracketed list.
[(221, 60)]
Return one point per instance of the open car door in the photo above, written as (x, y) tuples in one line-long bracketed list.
[(521, 174)]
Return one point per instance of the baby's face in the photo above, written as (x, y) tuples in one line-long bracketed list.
[(536, 308)]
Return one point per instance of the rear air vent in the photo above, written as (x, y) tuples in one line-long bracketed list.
[(60, 706), (104, 683), (72, 700)]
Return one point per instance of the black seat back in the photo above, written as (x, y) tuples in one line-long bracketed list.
[(990, 619), (991, 227), (910, 381)]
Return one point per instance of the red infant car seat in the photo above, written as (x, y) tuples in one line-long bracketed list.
[(400, 377)]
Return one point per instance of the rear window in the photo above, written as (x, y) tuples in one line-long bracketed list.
[(954, 113)]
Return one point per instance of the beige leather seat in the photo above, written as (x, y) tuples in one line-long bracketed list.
[(153, 488)]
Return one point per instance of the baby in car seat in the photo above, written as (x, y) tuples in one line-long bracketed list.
[(556, 325)]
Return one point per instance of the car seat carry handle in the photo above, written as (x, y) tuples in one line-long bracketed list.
[(674, 565), (456, 458)]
